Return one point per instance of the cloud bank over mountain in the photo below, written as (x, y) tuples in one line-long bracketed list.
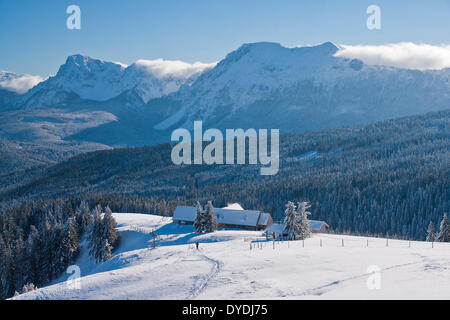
[(19, 83), (161, 68), (405, 55)]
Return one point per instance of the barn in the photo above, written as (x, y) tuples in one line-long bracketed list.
[(278, 228), (231, 216)]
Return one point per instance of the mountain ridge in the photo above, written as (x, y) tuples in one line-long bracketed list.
[(93, 79), (258, 85), (304, 78)]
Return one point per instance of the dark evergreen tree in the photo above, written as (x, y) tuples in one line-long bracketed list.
[(96, 242), (70, 244), (104, 235), (86, 215), (110, 234)]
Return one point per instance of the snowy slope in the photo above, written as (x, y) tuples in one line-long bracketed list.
[(267, 85), (226, 268), (157, 78)]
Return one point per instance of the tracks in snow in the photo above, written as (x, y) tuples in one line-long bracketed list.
[(322, 289), (202, 282)]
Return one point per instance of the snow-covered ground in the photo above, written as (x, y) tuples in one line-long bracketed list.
[(225, 267)]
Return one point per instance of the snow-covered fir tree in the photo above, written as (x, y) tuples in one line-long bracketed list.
[(210, 218), (296, 223), (71, 241), (431, 235), (305, 227), (444, 232), (291, 221), (104, 235), (85, 216), (110, 234), (199, 219), (96, 237)]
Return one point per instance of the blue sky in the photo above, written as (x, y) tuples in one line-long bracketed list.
[(35, 39)]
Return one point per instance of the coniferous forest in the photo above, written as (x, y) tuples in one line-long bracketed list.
[(389, 178), (39, 240)]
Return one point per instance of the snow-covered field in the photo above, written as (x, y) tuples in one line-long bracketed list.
[(225, 267)]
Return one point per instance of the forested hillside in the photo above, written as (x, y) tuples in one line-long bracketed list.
[(40, 239), (389, 178)]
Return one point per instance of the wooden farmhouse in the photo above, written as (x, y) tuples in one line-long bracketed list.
[(232, 216)]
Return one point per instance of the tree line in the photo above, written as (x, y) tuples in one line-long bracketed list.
[(40, 239)]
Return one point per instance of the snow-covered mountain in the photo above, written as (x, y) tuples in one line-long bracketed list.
[(259, 85), (82, 77), (157, 78), (268, 85)]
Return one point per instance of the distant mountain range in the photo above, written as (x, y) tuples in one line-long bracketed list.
[(84, 78), (90, 103)]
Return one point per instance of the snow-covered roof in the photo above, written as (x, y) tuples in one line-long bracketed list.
[(278, 228), (233, 206), (237, 217), (224, 216), (264, 219), (185, 213), (317, 225)]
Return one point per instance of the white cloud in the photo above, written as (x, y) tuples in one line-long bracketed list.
[(19, 83), (406, 55), (123, 65), (173, 68)]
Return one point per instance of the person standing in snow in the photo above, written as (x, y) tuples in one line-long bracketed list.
[(196, 245)]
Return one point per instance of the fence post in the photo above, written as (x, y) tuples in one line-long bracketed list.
[(342, 242), (367, 243), (303, 243), (410, 243), (432, 244), (387, 242), (273, 244), (321, 243), (250, 246)]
